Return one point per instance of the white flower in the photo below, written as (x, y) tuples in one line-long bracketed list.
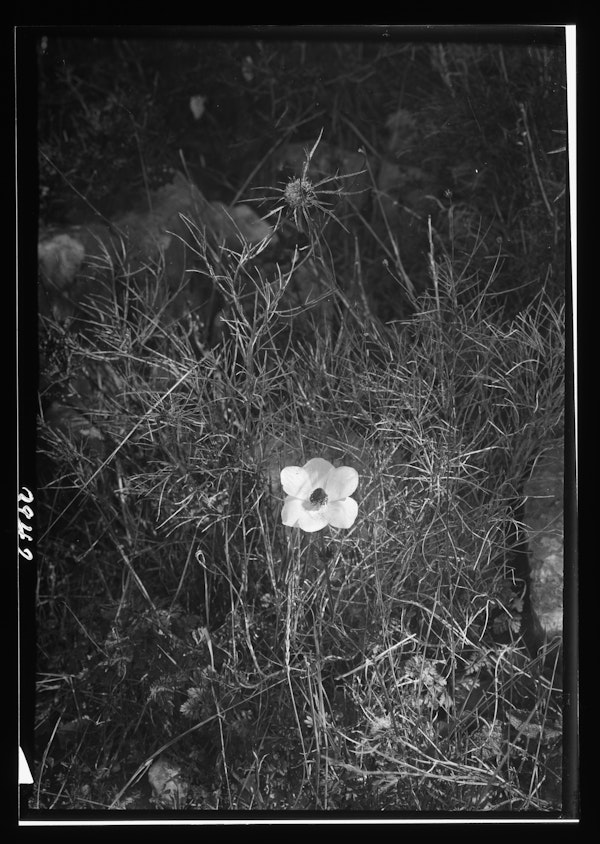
[(317, 495)]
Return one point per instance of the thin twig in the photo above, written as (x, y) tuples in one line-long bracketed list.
[(534, 161)]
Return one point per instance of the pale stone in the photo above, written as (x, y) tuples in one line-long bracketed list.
[(170, 234), (545, 529), (167, 783), (60, 258)]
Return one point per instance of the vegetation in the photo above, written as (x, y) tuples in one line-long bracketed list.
[(385, 667)]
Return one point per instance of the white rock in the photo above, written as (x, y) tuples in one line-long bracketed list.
[(545, 529), (167, 782), (59, 258)]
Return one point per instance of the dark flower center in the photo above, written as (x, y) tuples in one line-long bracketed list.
[(318, 497)]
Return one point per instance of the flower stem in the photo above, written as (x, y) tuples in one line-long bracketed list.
[(325, 556)]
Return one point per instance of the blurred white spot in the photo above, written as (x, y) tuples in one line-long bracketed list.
[(197, 106), (248, 69)]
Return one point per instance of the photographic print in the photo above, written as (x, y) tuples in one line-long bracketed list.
[(297, 462)]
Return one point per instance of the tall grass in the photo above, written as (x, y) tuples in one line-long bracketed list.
[(382, 666)]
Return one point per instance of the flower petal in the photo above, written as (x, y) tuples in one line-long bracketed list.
[(313, 518), (291, 511), (295, 482), (342, 514), (341, 483), (318, 470)]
